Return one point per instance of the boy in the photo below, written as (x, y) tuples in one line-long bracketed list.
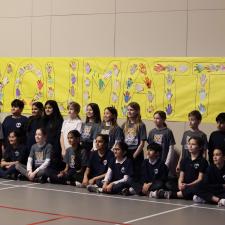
[(195, 119), (212, 189), (154, 171), (15, 122), (217, 138)]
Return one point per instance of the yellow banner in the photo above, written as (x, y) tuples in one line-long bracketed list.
[(175, 85)]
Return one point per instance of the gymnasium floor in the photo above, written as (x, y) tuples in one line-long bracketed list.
[(26, 203)]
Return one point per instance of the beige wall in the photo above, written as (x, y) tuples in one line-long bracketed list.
[(41, 28)]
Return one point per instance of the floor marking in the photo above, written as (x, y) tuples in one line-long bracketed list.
[(49, 220), (157, 214)]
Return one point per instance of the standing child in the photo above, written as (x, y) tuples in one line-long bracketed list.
[(119, 174), (15, 152), (72, 123), (90, 128), (217, 138), (39, 158), (33, 123), (163, 136), (154, 171), (76, 162), (212, 189), (192, 170), (195, 119), (98, 162), (135, 136), (15, 122), (110, 127)]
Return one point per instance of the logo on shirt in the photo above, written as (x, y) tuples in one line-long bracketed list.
[(130, 136), (72, 161), (122, 170), (156, 171), (17, 153), (105, 162), (196, 165), (158, 138), (18, 125)]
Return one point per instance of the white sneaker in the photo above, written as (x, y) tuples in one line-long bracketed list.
[(79, 185), (153, 194), (93, 188), (221, 202), (197, 199), (132, 191)]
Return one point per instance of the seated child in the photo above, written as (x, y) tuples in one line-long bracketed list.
[(98, 161), (192, 170), (76, 162), (154, 171), (212, 189), (118, 176), (13, 154), (38, 160)]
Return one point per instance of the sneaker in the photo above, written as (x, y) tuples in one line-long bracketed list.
[(132, 191), (125, 192), (163, 194), (153, 194), (79, 185), (167, 194), (221, 202), (197, 199), (93, 188)]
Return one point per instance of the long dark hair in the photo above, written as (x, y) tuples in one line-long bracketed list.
[(96, 112)]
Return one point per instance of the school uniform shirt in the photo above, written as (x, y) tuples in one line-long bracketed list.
[(13, 124), (76, 159), (99, 165), (192, 168), (216, 140), (215, 177), (88, 133), (187, 135), (115, 134), (133, 136), (69, 125), (152, 171), (38, 156), (163, 137), (119, 171), (15, 154)]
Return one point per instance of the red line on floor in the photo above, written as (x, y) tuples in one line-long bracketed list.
[(46, 221), (61, 215)]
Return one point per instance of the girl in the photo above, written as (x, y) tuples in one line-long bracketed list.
[(192, 170), (98, 162), (76, 162), (90, 128), (34, 122), (163, 136), (72, 123), (135, 135), (14, 153), (119, 173), (39, 158), (52, 123), (110, 126), (212, 189)]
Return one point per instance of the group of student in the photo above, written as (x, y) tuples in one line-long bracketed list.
[(105, 158)]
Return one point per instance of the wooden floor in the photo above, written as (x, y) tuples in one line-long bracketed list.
[(26, 203)]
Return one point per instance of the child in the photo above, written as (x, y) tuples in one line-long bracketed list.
[(15, 122), (72, 123), (39, 158), (135, 136), (217, 138), (33, 123), (76, 162), (212, 189), (110, 126), (154, 171), (90, 128), (52, 123), (119, 173), (15, 152), (98, 162), (192, 170), (163, 136), (194, 118)]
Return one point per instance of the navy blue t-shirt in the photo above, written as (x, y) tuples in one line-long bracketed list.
[(99, 165), (192, 168), (151, 173)]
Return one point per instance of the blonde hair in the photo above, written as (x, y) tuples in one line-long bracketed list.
[(75, 106)]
